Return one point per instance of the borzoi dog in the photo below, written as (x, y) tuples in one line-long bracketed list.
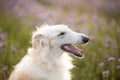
[(48, 57)]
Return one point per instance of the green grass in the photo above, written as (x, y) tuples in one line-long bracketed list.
[(16, 43), (18, 40)]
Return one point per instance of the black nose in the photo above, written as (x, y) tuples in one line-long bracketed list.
[(85, 39)]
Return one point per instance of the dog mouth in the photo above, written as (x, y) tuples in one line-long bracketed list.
[(72, 49)]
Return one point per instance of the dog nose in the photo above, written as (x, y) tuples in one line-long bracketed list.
[(85, 39)]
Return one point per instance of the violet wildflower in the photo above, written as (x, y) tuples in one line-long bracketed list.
[(111, 59), (105, 73), (2, 44), (108, 43), (85, 31), (3, 36), (110, 7), (73, 14), (69, 22), (95, 18), (41, 17), (5, 68), (119, 60), (118, 67), (106, 57)]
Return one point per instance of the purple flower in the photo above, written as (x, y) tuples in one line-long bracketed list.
[(108, 42), (85, 31), (69, 22), (119, 60), (105, 73), (42, 17), (5, 68), (118, 67), (95, 19), (111, 59), (2, 44), (106, 57), (3, 36), (73, 14)]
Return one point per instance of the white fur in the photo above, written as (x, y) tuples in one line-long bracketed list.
[(46, 60)]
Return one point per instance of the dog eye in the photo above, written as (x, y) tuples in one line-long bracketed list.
[(62, 33)]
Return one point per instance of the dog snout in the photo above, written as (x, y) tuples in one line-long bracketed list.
[(85, 39)]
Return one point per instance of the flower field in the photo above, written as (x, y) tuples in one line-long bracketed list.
[(99, 20)]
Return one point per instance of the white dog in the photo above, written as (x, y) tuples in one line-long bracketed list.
[(45, 60)]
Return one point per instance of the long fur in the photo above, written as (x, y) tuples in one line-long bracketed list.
[(45, 60)]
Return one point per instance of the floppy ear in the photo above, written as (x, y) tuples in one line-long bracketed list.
[(37, 40)]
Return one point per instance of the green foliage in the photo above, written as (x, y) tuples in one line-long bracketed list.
[(101, 61), (10, 50)]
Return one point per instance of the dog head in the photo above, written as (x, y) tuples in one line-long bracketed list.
[(58, 37)]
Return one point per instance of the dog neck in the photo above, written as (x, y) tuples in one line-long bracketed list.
[(49, 61), (45, 56)]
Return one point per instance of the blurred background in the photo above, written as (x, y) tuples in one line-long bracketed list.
[(99, 19)]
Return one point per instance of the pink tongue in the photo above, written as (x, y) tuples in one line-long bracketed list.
[(75, 51)]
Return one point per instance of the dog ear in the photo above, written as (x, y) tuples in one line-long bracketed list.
[(37, 40)]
